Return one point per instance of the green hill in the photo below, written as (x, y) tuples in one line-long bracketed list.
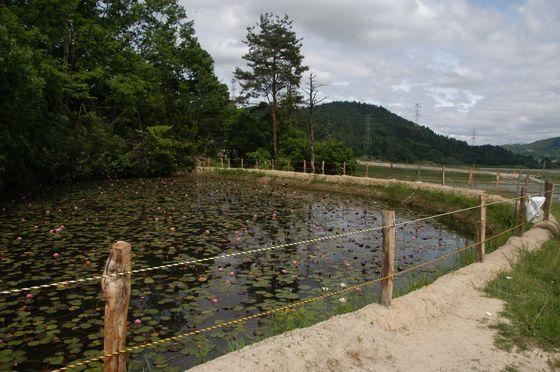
[(549, 147), (373, 131)]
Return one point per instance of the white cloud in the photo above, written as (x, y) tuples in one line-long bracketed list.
[(493, 67)]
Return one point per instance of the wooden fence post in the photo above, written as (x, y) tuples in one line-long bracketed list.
[(392, 174), (323, 167), (522, 217), (497, 182), (481, 231), (418, 172), (470, 182), (344, 168), (116, 291), (388, 266), (272, 164), (229, 162), (304, 166), (443, 175), (367, 170), (241, 163), (548, 190)]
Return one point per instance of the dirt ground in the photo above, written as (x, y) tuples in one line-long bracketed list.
[(441, 327)]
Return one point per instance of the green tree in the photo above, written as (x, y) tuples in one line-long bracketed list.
[(274, 64), (86, 87)]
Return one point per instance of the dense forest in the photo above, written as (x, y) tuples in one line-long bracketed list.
[(100, 89), (373, 131), (93, 89)]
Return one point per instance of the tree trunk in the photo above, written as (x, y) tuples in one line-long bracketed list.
[(274, 130)]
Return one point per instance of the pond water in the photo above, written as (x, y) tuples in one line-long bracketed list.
[(66, 231)]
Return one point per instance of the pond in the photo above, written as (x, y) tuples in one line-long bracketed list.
[(65, 232)]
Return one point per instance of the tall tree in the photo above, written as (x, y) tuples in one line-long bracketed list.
[(91, 89), (274, 64), (312, 90)]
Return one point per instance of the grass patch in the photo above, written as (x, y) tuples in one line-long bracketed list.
[(531, 291)]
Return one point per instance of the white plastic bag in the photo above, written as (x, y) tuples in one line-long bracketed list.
[(533, 208)]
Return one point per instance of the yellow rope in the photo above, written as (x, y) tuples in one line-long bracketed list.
[(251, 251), (269, 312), (190, 262)]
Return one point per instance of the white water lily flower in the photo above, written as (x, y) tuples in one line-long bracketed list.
[(342, 299)]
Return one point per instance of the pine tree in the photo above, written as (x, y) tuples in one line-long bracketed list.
[(274, 64)]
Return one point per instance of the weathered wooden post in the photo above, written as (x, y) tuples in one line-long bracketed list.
[(470, 182), (548, 190), (542, 177), (272, 164), (443, 175), (116, 290), (241, 163), (257, 163), (418, 172), (323, 167), (304, 166), (229, 163), (481, 231), (392, 174), (222, 163), (367, 170), (388, 266), (344, 168), (497, 182), (522, 217)]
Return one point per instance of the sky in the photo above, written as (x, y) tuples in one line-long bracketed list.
[(489, 66)]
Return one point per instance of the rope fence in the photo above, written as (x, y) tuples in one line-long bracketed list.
[(278, 309), (246, 252), (501, 182)]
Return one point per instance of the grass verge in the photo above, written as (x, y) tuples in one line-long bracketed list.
[(531, 291)]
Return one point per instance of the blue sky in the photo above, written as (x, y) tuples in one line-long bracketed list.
[(490, 66)]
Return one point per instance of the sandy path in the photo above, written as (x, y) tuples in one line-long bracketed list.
[(440, 327)]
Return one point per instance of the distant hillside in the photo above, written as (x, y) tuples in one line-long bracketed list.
[(544, 148), (374, 131)]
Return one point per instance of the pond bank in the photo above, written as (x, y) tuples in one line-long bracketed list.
[(426, 198), (441, 326), (365, 181)]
